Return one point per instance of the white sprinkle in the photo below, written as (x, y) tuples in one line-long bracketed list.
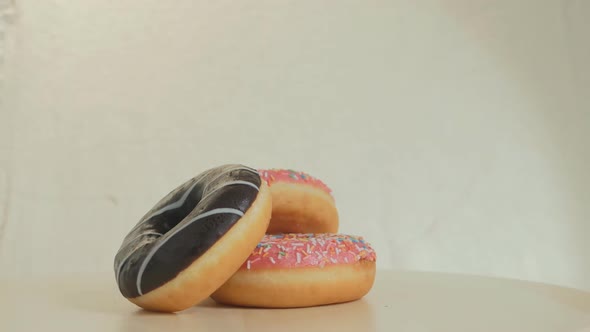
[(267, 249), (333, 260), (319, 254), (248, 264), (272, 260), (298, 258), (337, 251), (357, 247), (346, 259), (255, 260), (298, 244), (308, 249)]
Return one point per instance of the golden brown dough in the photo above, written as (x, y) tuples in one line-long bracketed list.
[(301, 203), (291, 288)]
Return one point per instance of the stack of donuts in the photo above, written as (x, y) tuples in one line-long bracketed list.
[(248, 237)]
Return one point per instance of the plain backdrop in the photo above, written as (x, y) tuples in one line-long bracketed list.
[(454, 133)]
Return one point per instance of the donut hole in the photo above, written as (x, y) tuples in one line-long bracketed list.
[(174, 208)]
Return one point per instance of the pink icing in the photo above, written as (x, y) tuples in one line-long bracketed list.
[(308, 250), (285, 175)]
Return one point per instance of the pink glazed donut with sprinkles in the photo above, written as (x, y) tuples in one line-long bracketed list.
[(302, 270), (300, 203)]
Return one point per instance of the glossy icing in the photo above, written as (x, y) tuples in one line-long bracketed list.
[(308, 250), (183, 226), (290, 176)]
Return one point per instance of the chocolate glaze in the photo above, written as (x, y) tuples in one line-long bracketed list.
[(183, 226)]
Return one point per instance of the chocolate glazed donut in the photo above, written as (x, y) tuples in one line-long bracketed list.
[(183, 226)]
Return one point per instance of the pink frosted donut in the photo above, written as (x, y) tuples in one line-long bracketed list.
[(301, 203), (302, 270)]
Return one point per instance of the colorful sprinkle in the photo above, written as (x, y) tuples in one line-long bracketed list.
[(290, 176), (304, 250)]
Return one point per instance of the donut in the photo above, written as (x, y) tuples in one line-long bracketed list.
[(301, 270), (193, 239), (300, 203)]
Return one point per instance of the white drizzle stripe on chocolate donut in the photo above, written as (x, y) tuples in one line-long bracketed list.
[(197, 214), (130, 253), (229, 184), (174, 205), (177, 204), (176, 231)]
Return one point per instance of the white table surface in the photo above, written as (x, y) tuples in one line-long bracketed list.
[(399, 301)]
